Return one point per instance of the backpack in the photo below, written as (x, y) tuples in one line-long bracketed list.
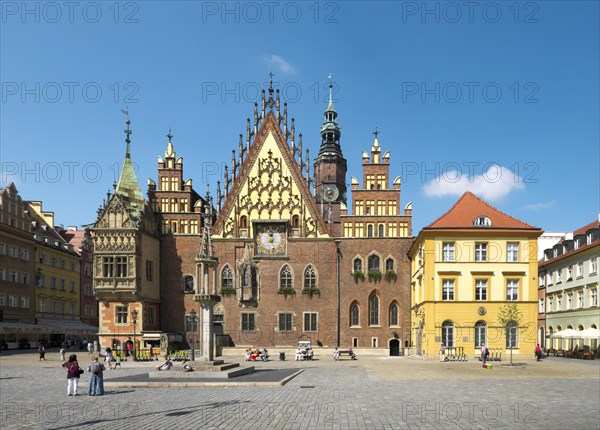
[(74, 369), (95, 368)]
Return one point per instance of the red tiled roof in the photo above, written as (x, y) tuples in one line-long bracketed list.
[(469, 207), (582, 230)]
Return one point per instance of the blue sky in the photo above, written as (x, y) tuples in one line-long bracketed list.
[(501, 99)]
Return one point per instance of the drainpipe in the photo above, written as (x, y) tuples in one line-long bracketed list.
[(337, 267)]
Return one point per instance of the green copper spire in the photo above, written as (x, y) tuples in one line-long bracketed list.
[(330, 107), (128, 185), (330, 130)]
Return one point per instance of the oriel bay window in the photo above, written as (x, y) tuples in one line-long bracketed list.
[(114, 267), (121, 267), (108, 267)]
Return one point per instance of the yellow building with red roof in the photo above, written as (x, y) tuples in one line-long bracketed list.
[(465, 267)]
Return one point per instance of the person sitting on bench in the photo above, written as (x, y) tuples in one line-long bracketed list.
[(351, 354)]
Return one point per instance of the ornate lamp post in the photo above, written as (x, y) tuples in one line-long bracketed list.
[(134, 315), (193, 318)]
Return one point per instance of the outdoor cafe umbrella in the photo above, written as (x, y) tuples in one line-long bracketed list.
[(589, 333), (566, 334)]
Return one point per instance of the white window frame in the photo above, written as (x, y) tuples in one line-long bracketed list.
[(481, 286), (512, 290), (512, 252), (448, 252), (480, 252), (311, 315), (448, 290)]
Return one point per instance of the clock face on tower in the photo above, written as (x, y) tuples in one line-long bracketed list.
[(270, 239)]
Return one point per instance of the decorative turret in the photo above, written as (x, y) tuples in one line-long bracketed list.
[(330, 164), (128, 186), (330, 130)]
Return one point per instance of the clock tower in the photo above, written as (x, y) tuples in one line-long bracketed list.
[(330, 169)]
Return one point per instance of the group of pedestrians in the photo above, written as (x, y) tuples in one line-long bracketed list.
[(74, 372)]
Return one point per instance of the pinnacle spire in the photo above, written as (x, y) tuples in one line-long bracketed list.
[(330, 107), (128, 186), (330, 130)]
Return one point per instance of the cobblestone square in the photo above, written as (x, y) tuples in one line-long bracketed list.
[(371, 393)]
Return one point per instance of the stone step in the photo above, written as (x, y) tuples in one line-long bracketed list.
[(201, 373)]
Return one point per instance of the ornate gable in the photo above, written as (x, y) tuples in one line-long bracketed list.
[(115, 215), (270, 187)]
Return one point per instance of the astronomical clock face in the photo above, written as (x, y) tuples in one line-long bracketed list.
[(270, 239)]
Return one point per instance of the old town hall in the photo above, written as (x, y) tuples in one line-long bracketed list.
[(278, 251)]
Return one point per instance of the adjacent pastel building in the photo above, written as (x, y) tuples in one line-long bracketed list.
[(466, 266), (569, 273), (17, 271)]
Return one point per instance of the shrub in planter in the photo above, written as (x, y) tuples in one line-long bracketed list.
[(358, 275), (374, 276), (391, 276)]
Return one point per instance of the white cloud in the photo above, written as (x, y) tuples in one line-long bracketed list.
[(539, 206), (494, 184), (280, 64)]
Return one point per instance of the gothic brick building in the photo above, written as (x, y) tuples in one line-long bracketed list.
[(286, 257)]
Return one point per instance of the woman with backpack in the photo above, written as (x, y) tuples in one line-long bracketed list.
[(73, 373), (96, 381)]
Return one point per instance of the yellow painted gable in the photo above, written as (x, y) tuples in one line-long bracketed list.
[(268, 190)]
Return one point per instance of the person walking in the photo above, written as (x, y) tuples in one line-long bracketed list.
[(485, 352), (96, 380), (42, 351), (73, 373), (442, 349), (336, 354), (538, 352), (117, 361), (109, 357)]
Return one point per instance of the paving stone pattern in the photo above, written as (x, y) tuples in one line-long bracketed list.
[(371, 393)]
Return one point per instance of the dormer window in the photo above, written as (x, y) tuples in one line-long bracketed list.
[(482, 221), (589, 238)]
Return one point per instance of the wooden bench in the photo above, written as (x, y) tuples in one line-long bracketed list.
[(347, 352)]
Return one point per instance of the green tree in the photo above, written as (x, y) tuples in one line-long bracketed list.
[(510, 316)]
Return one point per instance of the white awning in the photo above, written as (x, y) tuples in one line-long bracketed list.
[(152, 335), (8, 326), (62, 326)]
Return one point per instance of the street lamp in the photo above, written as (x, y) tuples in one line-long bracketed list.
[(193, 318), (134, 315)]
